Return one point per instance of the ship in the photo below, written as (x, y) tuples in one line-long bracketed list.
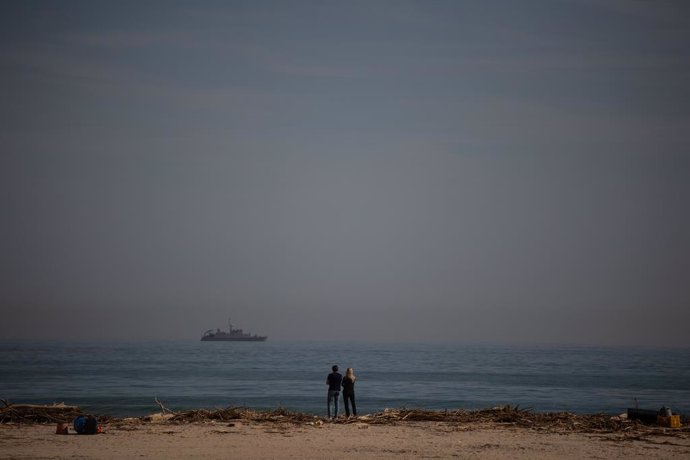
[(231, 335)]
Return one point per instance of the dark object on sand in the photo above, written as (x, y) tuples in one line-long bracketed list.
[(643, 415)]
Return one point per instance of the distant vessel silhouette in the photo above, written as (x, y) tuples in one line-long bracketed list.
[(231, 335)]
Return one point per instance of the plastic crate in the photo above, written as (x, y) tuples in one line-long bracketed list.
[(671, 421)]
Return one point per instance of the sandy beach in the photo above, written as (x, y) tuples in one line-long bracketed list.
[(262, 440)]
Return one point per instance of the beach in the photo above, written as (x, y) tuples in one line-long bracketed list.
[(247, 439)]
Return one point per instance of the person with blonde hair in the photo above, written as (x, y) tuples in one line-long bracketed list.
[(349, 392)]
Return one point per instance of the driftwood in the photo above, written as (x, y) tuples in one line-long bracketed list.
[(36, 413), (163, 408), (618, 428), (507, 416), (612, 428), (243, 413)]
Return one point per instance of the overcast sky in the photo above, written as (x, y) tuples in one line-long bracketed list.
[(485, 171)]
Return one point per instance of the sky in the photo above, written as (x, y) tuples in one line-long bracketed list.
[(443, 171)]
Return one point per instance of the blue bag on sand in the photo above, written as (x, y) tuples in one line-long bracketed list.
[(79, 424), (85, 425)]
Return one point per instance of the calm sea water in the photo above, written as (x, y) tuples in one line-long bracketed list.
[(123, 379)]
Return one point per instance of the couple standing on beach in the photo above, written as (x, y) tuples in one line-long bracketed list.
[(334, 381)]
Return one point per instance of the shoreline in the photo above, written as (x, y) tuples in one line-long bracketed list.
[(512, 415)]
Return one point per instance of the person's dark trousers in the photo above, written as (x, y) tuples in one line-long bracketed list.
[(349, 398), (333, 396)]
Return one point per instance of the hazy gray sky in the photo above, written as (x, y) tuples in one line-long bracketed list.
[(514, 172)]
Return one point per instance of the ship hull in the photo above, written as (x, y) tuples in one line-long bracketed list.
[(233, 339)]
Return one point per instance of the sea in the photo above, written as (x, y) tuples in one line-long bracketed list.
[(126, 379)]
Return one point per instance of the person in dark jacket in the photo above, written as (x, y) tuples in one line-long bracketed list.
[(349, 391), (334, 380)]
